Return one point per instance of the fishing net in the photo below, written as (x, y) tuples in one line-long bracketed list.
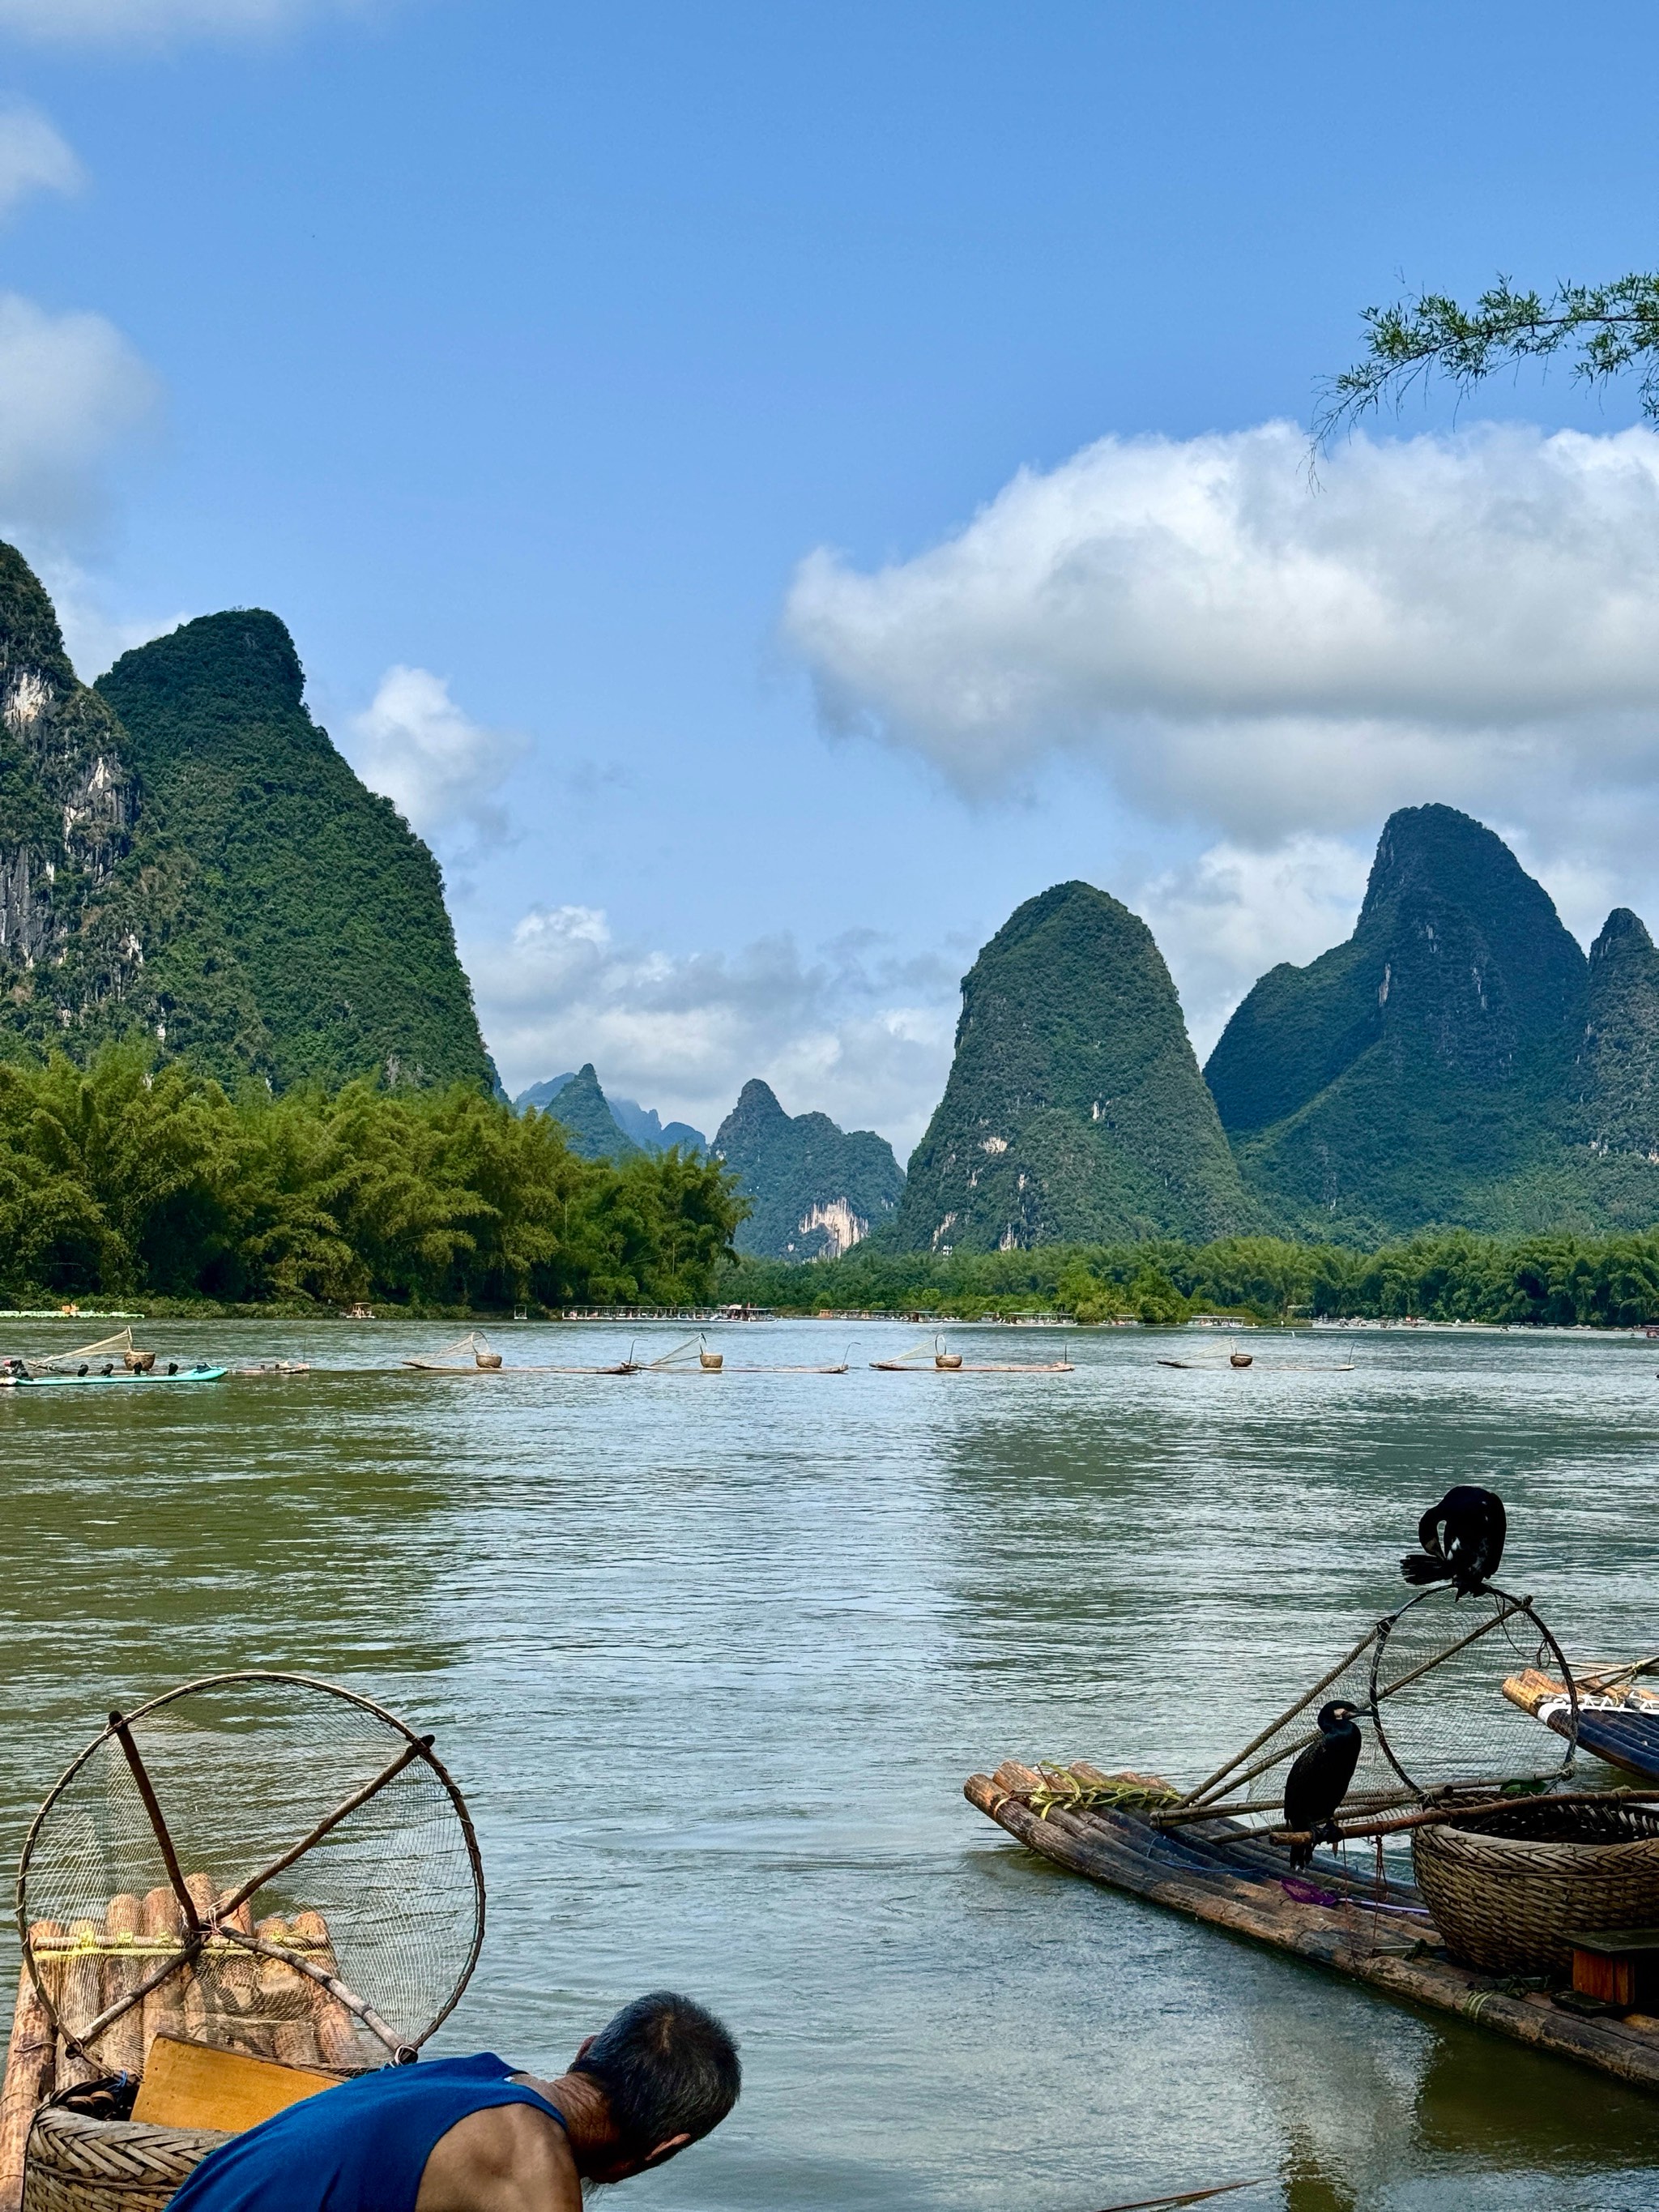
[(261, 1862), (1428, 1682)]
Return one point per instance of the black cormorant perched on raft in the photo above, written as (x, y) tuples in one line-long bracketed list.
[(1462, 1540), (1319, 1781)]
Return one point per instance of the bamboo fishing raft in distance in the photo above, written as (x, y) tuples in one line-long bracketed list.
[(246, 1891), (691, 1358), (934, 1356), (1552, 1943), (112, 1360)]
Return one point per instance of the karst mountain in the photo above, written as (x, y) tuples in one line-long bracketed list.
[(815, 1190), (185, 856)]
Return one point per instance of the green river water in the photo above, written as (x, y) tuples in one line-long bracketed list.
[(712, 1656)]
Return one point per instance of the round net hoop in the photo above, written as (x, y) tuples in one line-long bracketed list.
[(265, 1862), (1429, 1663)]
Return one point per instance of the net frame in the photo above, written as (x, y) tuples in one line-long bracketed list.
[(1216, 1797), (399, 2047)]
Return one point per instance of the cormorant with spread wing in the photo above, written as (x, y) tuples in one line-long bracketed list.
[(1462, 1540), (1318, 1782)]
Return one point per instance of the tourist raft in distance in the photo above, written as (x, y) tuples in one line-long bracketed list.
[(112, 1360), (932, 1357), (1490, 1883)]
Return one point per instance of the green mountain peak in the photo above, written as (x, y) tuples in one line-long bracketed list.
[(594, 1130), (1074, 1108), (816, 1189)]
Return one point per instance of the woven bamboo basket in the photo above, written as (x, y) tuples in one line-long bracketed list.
[(76, 2164), (1509, 1891)]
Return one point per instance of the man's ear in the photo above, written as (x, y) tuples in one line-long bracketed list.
[(665, 2151), (588, 2041)]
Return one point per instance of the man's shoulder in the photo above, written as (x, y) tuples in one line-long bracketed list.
[(505, 2158)]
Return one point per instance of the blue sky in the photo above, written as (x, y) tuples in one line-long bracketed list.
[(606, 397)]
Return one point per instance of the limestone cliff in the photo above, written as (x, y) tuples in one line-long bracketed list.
[(816, 1189)]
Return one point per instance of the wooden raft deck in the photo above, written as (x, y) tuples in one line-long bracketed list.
[(1217, 1872)]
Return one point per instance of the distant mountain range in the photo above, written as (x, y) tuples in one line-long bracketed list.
[(637, 1127), (816, 1190), (1458, 1061), (185, 857)]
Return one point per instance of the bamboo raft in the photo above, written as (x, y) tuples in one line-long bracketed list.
[(1618, 1720), (234, 1998), (1219, 1872), (942, 1361)]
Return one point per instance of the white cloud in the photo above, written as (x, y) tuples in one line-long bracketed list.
[(138, 22), (1226, 918), (1473, 619), (856, 1033), (440, 769), (33, 158), (72, 392), (93, 635)]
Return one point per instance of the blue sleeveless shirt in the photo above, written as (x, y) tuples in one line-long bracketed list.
[(362, 2147)]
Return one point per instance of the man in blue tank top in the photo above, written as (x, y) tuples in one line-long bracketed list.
[(475, 2134)]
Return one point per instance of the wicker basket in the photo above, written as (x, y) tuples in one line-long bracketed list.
[(80, 2165), (1507, 1891)]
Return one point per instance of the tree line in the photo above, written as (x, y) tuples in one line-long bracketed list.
[(1437, 1275), (122, 1178)]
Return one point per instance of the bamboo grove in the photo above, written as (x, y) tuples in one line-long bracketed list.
[(124, 1179)]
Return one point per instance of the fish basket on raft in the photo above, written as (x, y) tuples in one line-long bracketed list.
[(258, 1872), (1509, 1890)]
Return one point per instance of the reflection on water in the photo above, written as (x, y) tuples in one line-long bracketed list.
[(711, 1656)]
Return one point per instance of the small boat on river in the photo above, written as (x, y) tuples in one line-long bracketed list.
[(449, 1361), (113, 1360)]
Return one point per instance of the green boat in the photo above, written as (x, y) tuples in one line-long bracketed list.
[(76, 1382), (95, 1363)]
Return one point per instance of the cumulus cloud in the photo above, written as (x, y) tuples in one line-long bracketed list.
[(856, 1032), (1224, 918), (33, 158), (135, 22), (1466, 618), (440, 769), (72, 392)]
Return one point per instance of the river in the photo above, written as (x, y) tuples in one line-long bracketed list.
[(711, 1657)]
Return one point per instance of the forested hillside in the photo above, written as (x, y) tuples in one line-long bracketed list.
[(121, 1179), (302, 928), (812, 1187)]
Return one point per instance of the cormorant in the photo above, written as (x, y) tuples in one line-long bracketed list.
[(1318, 1782), (1462, 1540)]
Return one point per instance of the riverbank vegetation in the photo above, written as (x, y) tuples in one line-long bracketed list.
[(122, 1180), (1439, 1275)]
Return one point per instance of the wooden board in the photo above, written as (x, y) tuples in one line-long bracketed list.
[(192, 2085)]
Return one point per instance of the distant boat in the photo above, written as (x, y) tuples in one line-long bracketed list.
[(945, 1362)]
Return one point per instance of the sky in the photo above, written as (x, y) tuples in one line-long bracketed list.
[(768, 489)]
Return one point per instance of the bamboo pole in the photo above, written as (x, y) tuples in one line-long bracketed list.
[(285, 1997), (121, 2048), (164, 2000), (231, 1902), (1448, 1815), (152, 1806), (1273, 1727), (31, 2069), (337, 2031), (78, 2004)]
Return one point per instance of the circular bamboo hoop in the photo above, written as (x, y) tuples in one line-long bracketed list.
[(1507, 1892), (77, 2164)]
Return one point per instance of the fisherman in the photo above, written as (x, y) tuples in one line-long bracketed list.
[(476, 2135)]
